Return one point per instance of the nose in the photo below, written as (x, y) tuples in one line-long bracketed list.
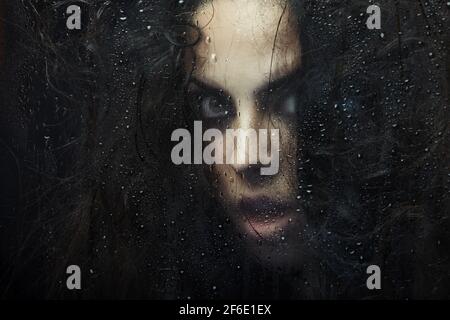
[(243, 149), (251, 174), (251, 148)]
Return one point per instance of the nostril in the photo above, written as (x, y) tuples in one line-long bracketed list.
[(252, 173)]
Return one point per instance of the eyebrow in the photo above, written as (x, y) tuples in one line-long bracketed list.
[(272, 85), (278, 83), (208, 86)]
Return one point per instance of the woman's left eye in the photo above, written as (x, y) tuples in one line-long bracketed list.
[(288, 105)]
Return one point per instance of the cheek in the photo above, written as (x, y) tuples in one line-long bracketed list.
[(226, 183), (289, 140), (288, 128)]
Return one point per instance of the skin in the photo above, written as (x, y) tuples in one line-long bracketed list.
[(240, 55)]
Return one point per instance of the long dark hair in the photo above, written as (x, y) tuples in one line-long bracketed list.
[(373, 162)]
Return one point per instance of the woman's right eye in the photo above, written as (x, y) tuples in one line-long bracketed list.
[(210, 103), (214, 107)]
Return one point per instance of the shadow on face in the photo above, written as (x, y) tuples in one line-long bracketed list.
[(248, 52)]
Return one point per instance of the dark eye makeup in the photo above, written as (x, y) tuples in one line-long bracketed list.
[(209, 102), (212, 103)]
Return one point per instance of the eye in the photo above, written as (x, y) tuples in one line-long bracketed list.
[(210, 103), (289, 105), (285, 104), (284, 100), (214, 107)]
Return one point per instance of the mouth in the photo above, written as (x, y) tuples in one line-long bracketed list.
[(264, 216)]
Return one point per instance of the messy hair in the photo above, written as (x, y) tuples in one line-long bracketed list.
[(373, 157)]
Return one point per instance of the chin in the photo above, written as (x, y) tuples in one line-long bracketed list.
[(280, 254), (274, 242)]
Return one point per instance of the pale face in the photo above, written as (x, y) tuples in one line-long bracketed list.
[(240, 80)]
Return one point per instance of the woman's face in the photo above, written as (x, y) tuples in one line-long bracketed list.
[(248, 51)]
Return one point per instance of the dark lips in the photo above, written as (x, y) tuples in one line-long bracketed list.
[(262, 208)]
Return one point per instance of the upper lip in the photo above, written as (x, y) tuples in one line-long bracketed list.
[(264, 206)]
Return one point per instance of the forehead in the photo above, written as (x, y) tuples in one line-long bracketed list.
[(244, 42)]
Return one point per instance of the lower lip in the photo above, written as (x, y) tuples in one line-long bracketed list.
[(266, 229), (264, 217)]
